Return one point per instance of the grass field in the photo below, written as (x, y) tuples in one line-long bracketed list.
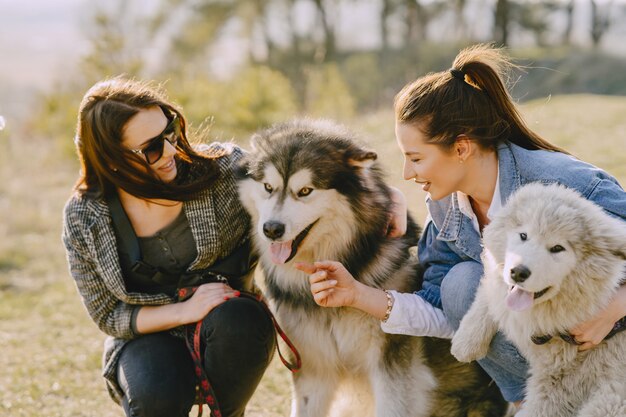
[(50, 349)]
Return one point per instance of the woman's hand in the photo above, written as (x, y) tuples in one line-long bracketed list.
[(591, 332), (398, 219), (205, 299), (331, 283)]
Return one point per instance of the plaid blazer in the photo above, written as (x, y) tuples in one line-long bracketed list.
[(219, 225)]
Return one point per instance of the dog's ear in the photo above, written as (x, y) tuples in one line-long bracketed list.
[(241, 169), (360, 158), (616, 238), (254, 142)]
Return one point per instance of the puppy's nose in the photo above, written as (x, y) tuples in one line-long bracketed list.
[(273, 229), (520, 273)]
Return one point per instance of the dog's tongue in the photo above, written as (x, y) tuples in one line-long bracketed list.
[(280, 251), (519, 300)]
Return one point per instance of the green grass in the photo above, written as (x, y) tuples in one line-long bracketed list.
[(51, 350)]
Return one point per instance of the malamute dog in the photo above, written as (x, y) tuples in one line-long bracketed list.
[(552, 260), (314, 194)]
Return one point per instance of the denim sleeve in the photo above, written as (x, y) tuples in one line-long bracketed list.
[(437, 259), (611, 197)]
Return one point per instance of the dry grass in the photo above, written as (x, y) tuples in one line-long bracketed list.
[(51, 350)]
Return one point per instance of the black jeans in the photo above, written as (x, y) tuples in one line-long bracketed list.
[(156, 371)]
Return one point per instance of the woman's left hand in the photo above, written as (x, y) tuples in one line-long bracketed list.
[(593, 331), (331, 283), (398, 220)]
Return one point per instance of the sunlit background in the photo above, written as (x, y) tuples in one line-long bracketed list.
[(238, 66)]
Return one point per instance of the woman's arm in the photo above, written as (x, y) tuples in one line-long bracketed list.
[(152, 319), (114, 317), (333, 286), (592, 332)]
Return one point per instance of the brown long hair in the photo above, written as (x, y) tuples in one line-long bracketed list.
[(470, 99), (106, 164)]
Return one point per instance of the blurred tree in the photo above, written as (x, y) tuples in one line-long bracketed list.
[(254, 98), (569, 26), (501, 22), (117, 43), (328, 94), (600, 20), (536, 17), (364, 78)]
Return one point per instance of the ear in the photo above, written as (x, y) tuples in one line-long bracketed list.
[(360, 158), (241, 170), (254, 142), (463, 147), (618, 241)]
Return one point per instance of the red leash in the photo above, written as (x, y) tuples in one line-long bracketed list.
[(206, 395)]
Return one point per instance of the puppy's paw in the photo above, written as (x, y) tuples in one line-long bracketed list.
[(468, 346)]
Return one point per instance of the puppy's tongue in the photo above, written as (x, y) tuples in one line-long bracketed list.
[(518, 299), (280, 251)]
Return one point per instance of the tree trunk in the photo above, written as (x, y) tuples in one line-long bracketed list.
[(501, 22)]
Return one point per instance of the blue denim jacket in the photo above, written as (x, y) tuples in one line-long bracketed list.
[(450, 238)]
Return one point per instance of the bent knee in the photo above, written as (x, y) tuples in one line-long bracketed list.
[(459, 288), (240, 318), (158, 401)]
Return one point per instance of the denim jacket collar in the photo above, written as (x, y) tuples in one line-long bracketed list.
[(458, 228), (510, 179)]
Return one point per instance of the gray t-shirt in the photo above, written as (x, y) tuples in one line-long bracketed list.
[(172, 249)]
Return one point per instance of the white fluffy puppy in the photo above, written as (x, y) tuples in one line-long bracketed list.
[(552, 260)]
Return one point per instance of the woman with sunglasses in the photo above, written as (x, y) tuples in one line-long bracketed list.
[(183, 208)]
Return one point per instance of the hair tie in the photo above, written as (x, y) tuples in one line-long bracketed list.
[(458, 74)]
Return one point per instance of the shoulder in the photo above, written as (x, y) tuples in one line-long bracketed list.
[(80, 213), (79, 210), (548, 167), (222, 151)]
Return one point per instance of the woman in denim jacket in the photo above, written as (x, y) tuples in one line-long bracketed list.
[(467, 145)]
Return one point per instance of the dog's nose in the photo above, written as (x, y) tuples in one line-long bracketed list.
[(520, 273), (273, 229)]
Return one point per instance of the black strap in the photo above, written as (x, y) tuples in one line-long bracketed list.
[(234, 266), (128, 242)]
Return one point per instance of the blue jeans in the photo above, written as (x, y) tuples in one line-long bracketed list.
[(156, 371), (503, 361)]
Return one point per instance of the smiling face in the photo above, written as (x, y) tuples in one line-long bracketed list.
[(439, 171), (140, 129)]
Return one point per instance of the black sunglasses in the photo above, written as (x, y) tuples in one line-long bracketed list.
[(153, 151)]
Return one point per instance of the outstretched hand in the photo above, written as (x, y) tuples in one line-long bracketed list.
[(331, 283)]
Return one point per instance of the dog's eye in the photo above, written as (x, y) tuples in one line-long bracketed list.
[(305, 191), (523, 236), (557, 249), (268, 187)]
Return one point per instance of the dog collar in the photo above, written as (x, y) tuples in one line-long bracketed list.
[(620, 325)]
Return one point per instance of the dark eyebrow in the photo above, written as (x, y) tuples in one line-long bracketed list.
[(147, 141), (409, 153), (169, 123)]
